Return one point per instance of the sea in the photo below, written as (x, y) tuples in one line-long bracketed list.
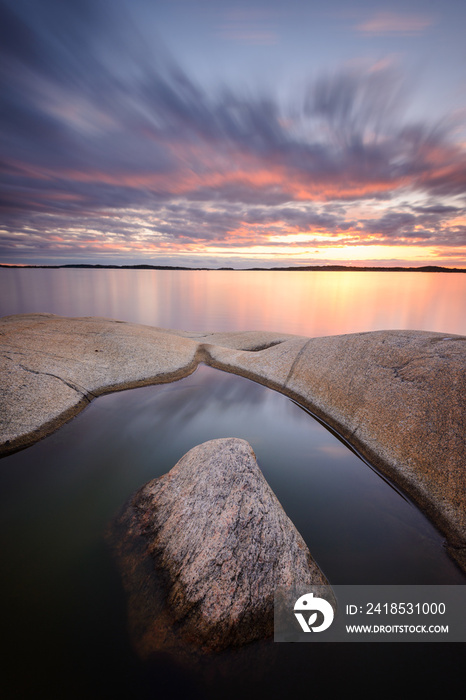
[(65, 611)]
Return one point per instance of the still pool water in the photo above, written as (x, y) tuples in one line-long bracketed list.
[(63, 614), (66, 613)]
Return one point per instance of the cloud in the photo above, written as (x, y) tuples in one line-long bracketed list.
[(106, 141), (436, 224), (392, 23)]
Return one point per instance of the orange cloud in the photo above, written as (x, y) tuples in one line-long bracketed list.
[(296, 186)]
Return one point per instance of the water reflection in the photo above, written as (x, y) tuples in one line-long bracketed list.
[(343, 510), (305, 303), (57, 497)]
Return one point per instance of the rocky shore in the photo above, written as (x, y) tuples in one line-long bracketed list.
[(398, 397)]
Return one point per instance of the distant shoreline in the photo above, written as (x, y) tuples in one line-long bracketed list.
[(307, 268)]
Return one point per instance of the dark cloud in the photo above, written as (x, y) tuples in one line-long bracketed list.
[(358, 106), (392, 223), (439, 210), (426, 225)]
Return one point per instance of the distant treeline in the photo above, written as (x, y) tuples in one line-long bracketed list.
[(307, 268)]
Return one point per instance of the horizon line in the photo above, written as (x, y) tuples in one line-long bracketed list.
[(290, 268)]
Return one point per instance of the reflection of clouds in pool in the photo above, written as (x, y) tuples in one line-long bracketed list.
[(181, 402), (338, 504), (57, 497), (336, 450)]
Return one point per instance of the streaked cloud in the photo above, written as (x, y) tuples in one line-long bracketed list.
[(394, 23)]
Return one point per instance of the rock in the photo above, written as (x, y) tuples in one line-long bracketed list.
[(398, 397), (214, 533), (51, 367)]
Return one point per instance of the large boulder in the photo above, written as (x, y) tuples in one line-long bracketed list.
[(211, 535)]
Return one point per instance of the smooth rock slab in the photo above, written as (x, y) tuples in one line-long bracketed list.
[(398, 397), (51, 368), (215, 534)]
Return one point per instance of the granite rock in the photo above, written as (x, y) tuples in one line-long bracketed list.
[(51, 367), (214, 534), (398, 397)]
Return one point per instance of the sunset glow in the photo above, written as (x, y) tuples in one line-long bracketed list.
[(232, 143)]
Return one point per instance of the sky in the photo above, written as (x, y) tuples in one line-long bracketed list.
[(214, 133)]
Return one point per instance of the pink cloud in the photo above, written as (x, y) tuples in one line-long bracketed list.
[(395, 23)]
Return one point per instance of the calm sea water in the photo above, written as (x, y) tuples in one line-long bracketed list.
[(306, 303), (64, 610)]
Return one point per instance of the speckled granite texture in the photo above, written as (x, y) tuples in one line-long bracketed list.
[(221, 543), (399, 397)]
